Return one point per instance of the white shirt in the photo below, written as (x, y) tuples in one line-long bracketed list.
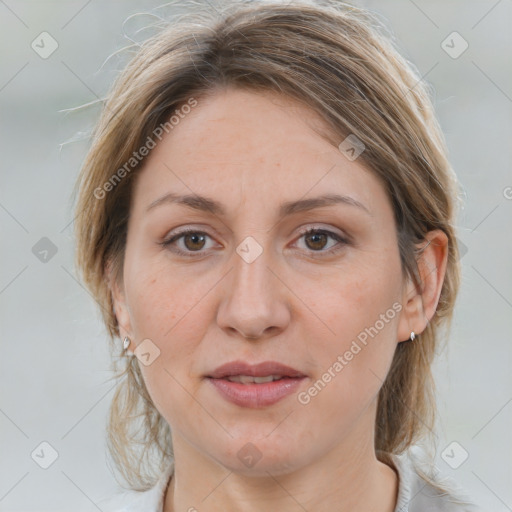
[(415, 493)]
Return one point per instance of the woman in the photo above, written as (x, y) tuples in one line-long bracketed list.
[(266, 218)]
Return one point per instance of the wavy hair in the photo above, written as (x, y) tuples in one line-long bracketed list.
[(339, 61)]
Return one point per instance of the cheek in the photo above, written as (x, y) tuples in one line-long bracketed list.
[(361, 312), (159, 298), (166, 310), (356, 301)]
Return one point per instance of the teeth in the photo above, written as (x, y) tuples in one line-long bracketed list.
[(247, 379)]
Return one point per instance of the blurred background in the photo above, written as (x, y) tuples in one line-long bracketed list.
[(54, 367)]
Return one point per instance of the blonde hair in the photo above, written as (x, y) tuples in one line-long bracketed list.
[(337, 60)]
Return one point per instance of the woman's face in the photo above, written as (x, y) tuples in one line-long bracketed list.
[(247, 286)]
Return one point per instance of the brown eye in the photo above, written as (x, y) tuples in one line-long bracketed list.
[(317, 239), (193, 241)]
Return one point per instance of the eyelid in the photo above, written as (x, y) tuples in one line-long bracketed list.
[(328, 229)]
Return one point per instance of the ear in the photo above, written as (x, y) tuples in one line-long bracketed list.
[(419, 305), (116, 287)]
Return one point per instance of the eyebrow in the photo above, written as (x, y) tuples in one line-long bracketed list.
[(208, 204)]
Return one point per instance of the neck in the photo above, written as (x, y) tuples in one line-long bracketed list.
[(343, 480)]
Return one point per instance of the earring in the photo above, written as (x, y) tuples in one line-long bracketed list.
[(126, 344), (412, 336)]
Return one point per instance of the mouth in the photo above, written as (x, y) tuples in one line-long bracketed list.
[(247, 379), (255, 386)]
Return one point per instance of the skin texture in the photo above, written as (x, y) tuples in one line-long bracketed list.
[(295, 303)]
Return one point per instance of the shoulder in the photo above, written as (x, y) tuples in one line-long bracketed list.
[(139, 501), (425, 489)]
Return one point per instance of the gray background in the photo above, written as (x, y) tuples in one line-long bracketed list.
[(54, 362)]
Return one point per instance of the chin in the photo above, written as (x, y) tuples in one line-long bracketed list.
[(260, 456)]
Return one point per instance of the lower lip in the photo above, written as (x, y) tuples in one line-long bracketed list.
[(256, 395)]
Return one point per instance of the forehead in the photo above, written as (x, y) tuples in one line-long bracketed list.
[(252, 146)]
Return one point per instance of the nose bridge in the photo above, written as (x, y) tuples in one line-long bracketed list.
[(252, 301), (251, 275), (254, 250)]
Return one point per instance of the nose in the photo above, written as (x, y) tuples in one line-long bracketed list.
[(254, 302)]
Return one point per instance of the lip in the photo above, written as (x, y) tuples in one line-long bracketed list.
[(254, 370), (254, 395)]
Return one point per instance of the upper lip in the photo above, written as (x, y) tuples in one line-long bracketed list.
[(254, 370)]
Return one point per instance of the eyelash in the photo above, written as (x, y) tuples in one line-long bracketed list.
[(190, 254)]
